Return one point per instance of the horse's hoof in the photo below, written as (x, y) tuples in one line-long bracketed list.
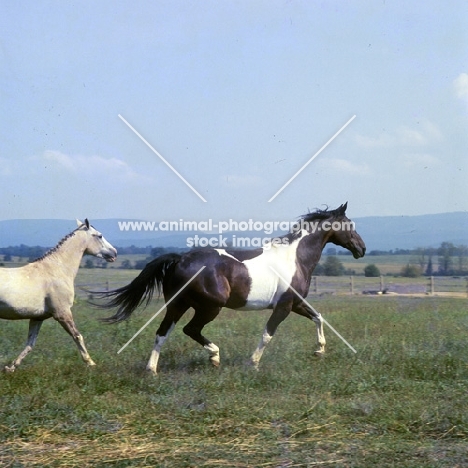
[(151, 371), (215, 362), (9, 370), (319, 354), (253, 365)]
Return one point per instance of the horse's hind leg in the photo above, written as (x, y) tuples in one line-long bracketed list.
[(66, 320), (173, 315), (195, 326), (34, 327)]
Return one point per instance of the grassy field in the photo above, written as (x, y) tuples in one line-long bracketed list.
[(400, 401), (387, 264)]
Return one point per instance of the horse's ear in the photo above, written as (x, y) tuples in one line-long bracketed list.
[(342, 208), (86, 222), (78, 222)]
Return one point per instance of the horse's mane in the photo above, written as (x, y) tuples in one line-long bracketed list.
[(291, 236), (54, 249), (319, 215)]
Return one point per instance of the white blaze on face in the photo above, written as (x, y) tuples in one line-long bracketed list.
[(267, 287)]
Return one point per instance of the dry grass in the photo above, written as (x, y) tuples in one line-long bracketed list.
[(401, 401)]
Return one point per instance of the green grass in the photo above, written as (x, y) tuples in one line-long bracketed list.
[(387, 264), (400, 401)]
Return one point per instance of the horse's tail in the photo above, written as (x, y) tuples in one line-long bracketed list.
[(128, 298)]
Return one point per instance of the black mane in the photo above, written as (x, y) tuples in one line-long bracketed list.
[(320, 215), (54, 249)]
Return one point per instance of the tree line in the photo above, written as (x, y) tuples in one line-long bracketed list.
[(446, 260)]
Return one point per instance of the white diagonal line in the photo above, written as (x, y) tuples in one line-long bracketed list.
[(308, 305), (160, 310), (312, 158), (162, 158)]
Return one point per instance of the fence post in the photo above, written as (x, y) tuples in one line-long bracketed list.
[(107, 285), (381, 283), (466, 279), (432, 285), (351, 284)]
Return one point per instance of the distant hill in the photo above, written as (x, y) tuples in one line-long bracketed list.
[(408, 232), (379, 233)]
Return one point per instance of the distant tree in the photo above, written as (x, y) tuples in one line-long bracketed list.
[(445, 252), (318, 270), (421, 257), (140, 264), (35, 252), (411, 271), (157, 251), (89, 263), (126, 264), (371, 271), (333, 267), (7, 258)]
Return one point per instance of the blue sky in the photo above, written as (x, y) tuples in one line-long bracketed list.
[(237, 96)]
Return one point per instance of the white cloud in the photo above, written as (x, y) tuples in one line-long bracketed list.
[(380, 141), (419, 160), (345, 166), (425, 133), (243, 180), (460, 84), (5, 167), (91, 166)]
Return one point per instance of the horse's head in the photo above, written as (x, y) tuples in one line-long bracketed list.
[(343, 233), (97, 245)]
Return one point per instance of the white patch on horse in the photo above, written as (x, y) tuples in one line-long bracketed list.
[(223, 252), (213, 350), (267, 287), (257, 355), (154, 358)]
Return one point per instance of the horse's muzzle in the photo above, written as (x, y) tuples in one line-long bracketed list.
[(110, 257), (359, 252)]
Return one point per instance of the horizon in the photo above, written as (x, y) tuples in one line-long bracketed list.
[(158, 220), (388, 233)]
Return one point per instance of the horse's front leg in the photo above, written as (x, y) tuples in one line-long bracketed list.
[(320, 335), (34, 327), (280, 312), (311, 314), (67, 323)]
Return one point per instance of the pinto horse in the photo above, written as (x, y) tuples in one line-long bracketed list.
[(44, 288), (265, 278)]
